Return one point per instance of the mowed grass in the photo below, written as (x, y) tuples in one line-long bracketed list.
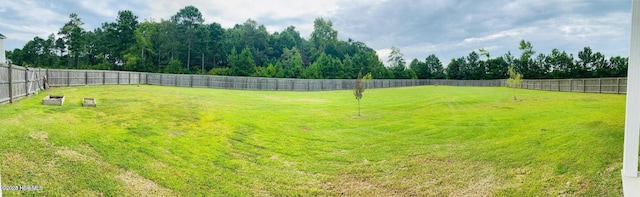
[(425, 141)]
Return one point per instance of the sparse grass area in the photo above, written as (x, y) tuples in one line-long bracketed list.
[(425, 141)]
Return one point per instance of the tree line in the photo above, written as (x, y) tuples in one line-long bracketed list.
[(555, 65), (185, 44)]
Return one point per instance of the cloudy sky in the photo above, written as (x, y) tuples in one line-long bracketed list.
[(447, 28)]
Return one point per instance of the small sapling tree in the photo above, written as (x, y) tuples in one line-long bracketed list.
[(514, 80), (361, 84)]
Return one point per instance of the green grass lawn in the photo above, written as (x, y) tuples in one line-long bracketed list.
[(425, 141)]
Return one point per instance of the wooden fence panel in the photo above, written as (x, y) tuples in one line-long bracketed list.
[(94, 78), (110, 77), (76, 78), (153, 79), (123, 78), (252, 83), (17, 82), (134, 78), (57, 77), (199, 81), (183, 80), (4, 83)]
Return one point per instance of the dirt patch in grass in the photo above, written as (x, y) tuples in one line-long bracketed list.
[(415, 177), (74, 155), (305, 128), (39, 135), (301, 100), (89, 193), (176, 133), (140, 186), (15, 158), (355, 186), (311, 100), (481, 187)]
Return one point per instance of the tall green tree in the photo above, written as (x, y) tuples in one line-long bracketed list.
[(619, 66), (397, 63), (434, 66), (291, 62), (126, 25), (522, 65), (72, 34), (323, 36), (166, 42), (497, 68), (331, 68), (188, 18), (242, 64), (588, 62), (561, 64), (474, 69), (314, 71), (216, 52), (420, 68), (454, 68)]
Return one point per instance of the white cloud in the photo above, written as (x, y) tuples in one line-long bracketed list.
[(102, 8), (508, 33), (383, 54), (229, 13), (23, 20)]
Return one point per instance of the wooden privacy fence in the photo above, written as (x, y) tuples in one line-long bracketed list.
[(17, 81), (63, 77), (287, 84), (592, 85)]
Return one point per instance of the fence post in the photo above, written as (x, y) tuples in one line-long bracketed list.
[(26, 82), (10, 83), (570, 85), (176, 80), (86, 77), (599, 85), (208, 81), (617, 85), (47, 77), (68, 78), (103, 78), (584, 86), (191, 82), (118, 72)]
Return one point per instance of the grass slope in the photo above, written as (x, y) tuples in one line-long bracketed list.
[(433, 140)]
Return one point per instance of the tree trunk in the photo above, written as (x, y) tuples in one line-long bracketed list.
[(189, 51), (189, 55), (158, 59), (359, 107)]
